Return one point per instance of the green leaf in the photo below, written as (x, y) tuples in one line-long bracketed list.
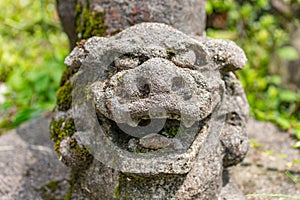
[(247, 11), (227, 35), (297, 144), (292, 177), (42, 84), (287, 96), (263, 3), (260, 115), (275, 80), (263, 35), (209, 8), (288, 53), (273, 195), (283, 123), (17, 81)]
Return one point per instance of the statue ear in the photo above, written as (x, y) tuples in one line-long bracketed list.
[(226, 54)]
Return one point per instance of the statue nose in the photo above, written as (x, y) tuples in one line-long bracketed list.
[(154, 76), (167, 86)]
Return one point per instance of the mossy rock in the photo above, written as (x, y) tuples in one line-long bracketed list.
[(88, 23), (77, 157), (64, 97)]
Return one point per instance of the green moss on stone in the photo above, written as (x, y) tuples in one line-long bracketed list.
[(170, 53), (83, 153), (55, 127), (47, 192), (70, 71), (66, 76), (52, 186), (117, 192), (89, 23), (68, 129), (74, 175), (171, 133), (65, 127), (64, 97), (61, 129)]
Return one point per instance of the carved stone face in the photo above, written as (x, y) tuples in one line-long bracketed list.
[(152, 95), (154, 86), (146, 100), (157, 104)]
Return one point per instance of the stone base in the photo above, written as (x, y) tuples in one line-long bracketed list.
[(29, 167)]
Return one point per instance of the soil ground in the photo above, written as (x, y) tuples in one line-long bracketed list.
[(270, 156)]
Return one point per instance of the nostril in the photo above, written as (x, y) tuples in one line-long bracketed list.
[(177, 83), (144, 88)]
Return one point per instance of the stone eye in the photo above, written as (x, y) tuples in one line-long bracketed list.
[(177, 83), (234, 118)]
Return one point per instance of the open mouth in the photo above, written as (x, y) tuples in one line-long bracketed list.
[(155, 135), (153, 107)]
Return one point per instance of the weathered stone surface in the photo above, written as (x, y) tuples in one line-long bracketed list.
[(29, 168), (157, 83), (262, 171), (154, 141), (123, 14), (152, 78), (85, 18), (234, 135)]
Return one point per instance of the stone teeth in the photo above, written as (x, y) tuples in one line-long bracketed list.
[(187, 123), (131, 122)]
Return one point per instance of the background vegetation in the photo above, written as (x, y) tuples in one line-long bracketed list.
[(32, 52), (264, 33), (33, 48)]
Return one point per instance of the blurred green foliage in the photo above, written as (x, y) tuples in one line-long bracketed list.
[(32, 52), (263, 34)]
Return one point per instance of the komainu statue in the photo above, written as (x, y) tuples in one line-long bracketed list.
[(151, 113)]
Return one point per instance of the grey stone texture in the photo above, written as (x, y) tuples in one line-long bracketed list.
[(161, 113), (121, 14), (261, 172), (29, 168)]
